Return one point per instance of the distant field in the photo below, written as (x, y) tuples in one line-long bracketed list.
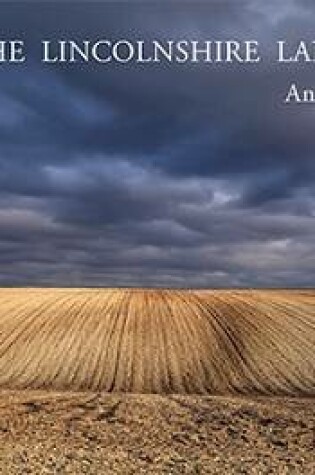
[(158, 341)]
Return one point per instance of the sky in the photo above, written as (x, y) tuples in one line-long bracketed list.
[(156, 175)]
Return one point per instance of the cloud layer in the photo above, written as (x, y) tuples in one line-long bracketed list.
[(156, 175)]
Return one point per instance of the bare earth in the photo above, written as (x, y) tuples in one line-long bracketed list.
[(140, 381), (93, 433), (158, 341)]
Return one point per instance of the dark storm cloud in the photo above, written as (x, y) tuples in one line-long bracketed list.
[(156, 175)]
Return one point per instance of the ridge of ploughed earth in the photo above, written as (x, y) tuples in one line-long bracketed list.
[(159, 341)]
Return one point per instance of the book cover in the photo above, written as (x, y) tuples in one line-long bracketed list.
[(157, 305)]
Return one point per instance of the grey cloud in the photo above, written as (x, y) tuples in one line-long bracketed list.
[(167, 175)]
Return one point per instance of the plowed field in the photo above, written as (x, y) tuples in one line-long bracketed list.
[(45, 432), (158, 341)]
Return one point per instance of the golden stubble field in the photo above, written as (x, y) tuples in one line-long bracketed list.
[(128, 381)]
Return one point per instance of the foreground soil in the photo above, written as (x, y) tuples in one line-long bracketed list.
[(93, 433)]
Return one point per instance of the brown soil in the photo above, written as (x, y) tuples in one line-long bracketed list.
[(254, 348), (93, 433), (158, 341)]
